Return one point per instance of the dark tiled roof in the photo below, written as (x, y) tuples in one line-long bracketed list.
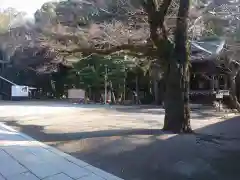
[(206, 49)]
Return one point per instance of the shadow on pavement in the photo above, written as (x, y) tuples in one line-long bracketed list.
[(145, 154), (38, 133)]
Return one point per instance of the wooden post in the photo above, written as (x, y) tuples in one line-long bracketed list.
[(137, 90), (212, 83), (155, 84), (124, 87), (225, 82), (105, 84)]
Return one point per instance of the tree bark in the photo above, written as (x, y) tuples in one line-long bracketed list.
[(113, 94), (177, 111), (156, 91)]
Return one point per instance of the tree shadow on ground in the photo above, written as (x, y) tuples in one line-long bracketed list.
[(38, 133), (213, 152), (199, 113)]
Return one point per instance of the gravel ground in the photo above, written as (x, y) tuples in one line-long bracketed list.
[(128, 142)]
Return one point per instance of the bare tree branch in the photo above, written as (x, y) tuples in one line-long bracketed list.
[(131, 49), (156, 18)]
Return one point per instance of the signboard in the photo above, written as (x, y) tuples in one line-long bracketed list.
[(221, 93), (19, 91), (224, 92), (76, 94), (219, 96)]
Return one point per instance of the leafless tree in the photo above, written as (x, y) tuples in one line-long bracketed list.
[(225, 17)]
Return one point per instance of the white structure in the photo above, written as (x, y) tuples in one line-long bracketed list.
[(76, 94), (19, 91)]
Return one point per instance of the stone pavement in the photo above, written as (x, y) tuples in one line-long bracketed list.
[(23, 158)]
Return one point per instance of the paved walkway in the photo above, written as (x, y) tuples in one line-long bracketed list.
[(23, 158)]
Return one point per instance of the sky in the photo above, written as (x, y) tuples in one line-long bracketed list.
[(28, 6)]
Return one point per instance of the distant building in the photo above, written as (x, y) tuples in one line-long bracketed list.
[(208, 75)]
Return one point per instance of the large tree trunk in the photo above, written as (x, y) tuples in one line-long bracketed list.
[(177, 111)]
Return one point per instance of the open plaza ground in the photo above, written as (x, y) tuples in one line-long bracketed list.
[(127, 141)]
